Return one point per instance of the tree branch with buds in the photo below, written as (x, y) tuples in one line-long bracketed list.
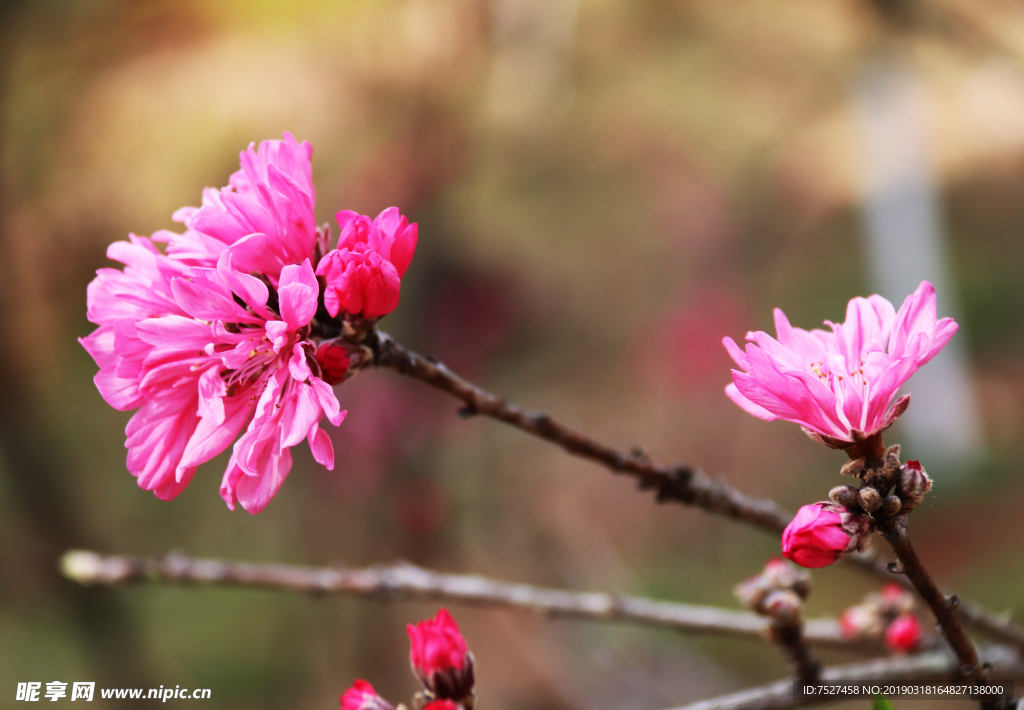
[(681, 483), (407, 582), (1005, 661)]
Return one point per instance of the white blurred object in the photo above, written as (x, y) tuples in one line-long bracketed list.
[(531, 76), (905, 245)]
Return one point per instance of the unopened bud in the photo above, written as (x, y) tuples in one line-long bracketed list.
[(891, 505), (870, 500), (782, 574), (784, 605), (822, 533), (861, 621), (337, 360), (845, 496), (853, 468), (914, 483), (890, 465), (904, 634), (751, 592), (440, 657), (362, 696)]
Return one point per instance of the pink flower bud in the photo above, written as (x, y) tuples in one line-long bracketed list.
[(913, 485), (892, 592), (362, 696), (364, 274), (441, 705), (822, 533), (334, 360), (904, 634), (854, 620), (440, 657)]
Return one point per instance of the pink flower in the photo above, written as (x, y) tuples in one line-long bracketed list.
[(822, 533), (219, 336), (263, 217), (440, 657), (904, 634), (839, 385), (362, 696), (364, 274)]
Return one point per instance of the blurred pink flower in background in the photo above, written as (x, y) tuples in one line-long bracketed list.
[(904, 634), (682, 349), (835, 384), (219, 331)]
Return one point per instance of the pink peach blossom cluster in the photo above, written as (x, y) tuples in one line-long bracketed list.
[(223, 330), (839, 386)]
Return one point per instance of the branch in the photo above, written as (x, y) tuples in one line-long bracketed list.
[(1006, 662), (680, 483), (895, 531), (404, 581)]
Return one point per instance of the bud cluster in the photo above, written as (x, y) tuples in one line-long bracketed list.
[(825, 532), (778, 591), (889, 614), (440, 659)]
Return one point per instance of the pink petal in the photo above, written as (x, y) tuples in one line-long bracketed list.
[(322, 448)]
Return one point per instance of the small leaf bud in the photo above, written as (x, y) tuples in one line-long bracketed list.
[(891, 505), (783, 604), (870, 500), (853, 468), (845, 496)]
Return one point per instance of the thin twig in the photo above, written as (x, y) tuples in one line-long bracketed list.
[(895, 531), (680, 483), (1006, 663), (404, 581)]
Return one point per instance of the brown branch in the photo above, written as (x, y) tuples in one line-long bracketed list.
[(895, 531), (1006, 663), (791, 636), (404, 581), (680, 483)]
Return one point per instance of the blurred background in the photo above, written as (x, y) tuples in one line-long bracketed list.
[(604, 188)]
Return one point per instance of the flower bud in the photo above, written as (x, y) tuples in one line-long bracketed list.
[(853, 468), (870, 500), (783, 605), (891, 505), (338, 360), (751, 592), (860, 621), (440, 657), (822, 533), (362, 696), (441, 705), (914, 483), (845, 496), (904, 634)]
